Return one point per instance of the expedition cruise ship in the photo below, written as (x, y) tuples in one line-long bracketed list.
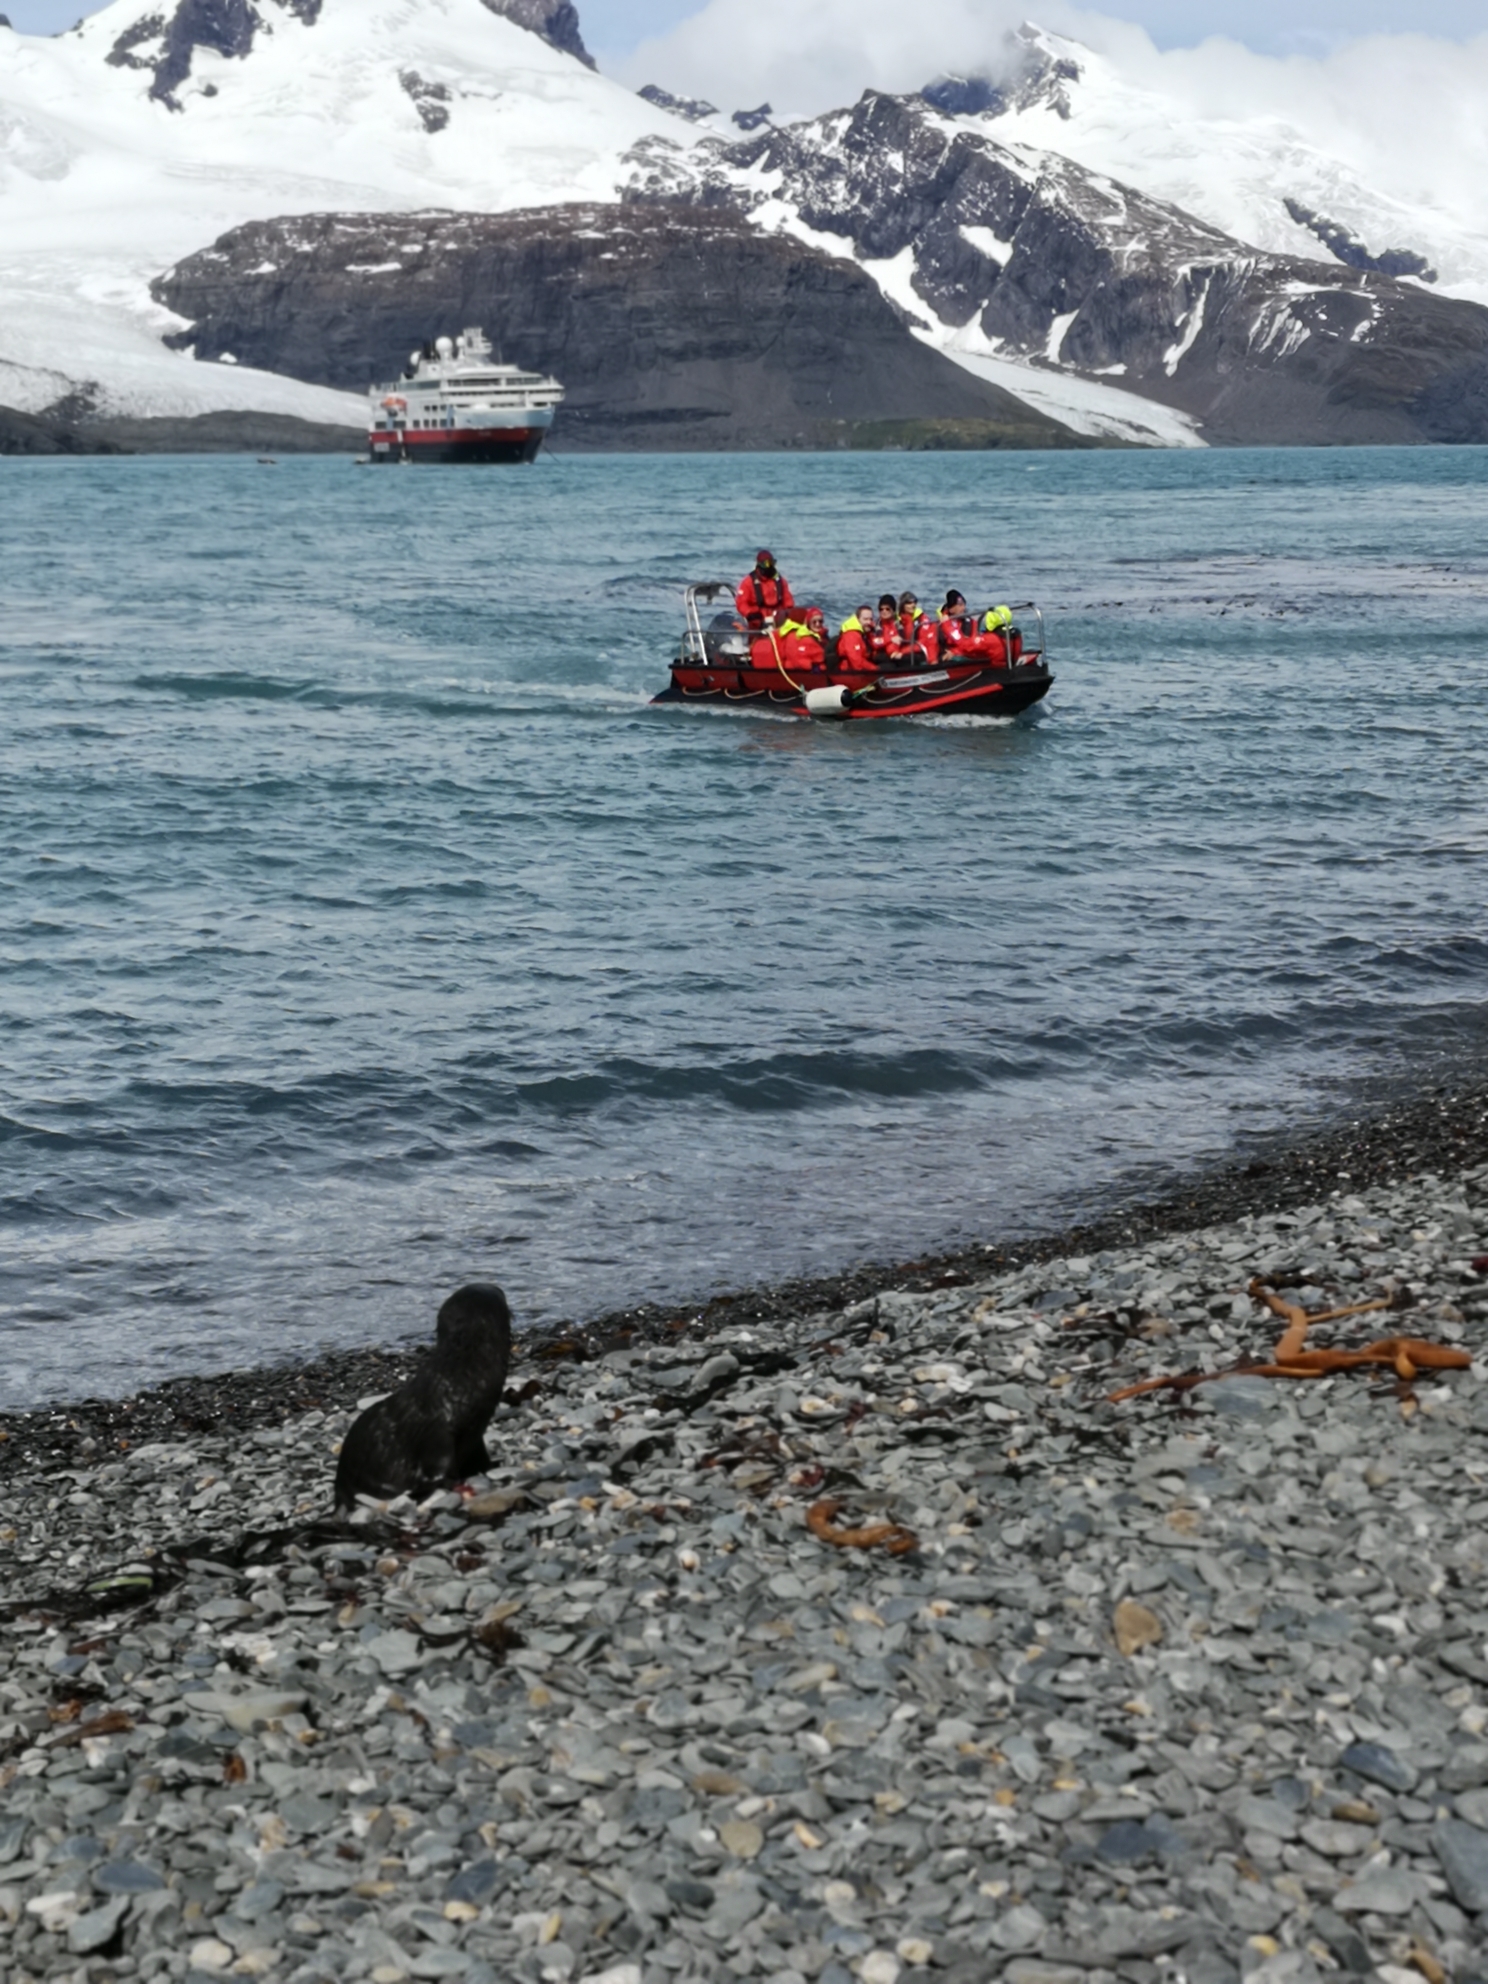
[(455, 403)]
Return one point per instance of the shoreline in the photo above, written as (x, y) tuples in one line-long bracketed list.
[(1393, 1130), (920, 1638)]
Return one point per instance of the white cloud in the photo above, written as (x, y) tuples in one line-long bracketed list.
[(804, 59), (1404, 112)]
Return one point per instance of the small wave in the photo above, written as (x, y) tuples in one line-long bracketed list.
[(225, 687)]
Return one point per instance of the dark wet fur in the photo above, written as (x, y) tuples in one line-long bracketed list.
[(432, 1430)]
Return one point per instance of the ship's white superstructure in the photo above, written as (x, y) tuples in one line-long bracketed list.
[(456, 402)]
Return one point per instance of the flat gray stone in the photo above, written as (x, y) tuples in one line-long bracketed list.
[(1381, 1891), (304, 1812), (475, 1883), (258, 1899), (1463, 1852), (436, 1962), (396, 1652), (126, 1877), (96, 1929), (1379, 1765), (1266, 1815), (1021, 1928)]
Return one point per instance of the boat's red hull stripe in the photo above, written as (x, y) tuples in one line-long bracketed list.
[(1020, 687), (446, 437)]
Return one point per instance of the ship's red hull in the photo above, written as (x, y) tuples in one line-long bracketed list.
[(966, 686), (473, 444)]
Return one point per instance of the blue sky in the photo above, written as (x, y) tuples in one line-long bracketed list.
[(1279, 27)]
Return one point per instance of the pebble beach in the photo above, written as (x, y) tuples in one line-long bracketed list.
[(1193, 1686)]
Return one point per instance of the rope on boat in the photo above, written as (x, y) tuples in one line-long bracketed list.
[(780, 662)]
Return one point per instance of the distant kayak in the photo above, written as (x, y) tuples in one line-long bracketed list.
[(720, 663)]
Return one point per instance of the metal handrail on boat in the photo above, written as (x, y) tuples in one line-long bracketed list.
[(1027, 606), (694, 646)]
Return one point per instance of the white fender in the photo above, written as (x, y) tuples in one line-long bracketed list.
[(835, 701)]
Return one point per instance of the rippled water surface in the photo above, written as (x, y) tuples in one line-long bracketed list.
[(365, 930)]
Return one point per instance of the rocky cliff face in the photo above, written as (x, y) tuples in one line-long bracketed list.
[(670, 327), (557, 21), (165, 41), (1028, 254)]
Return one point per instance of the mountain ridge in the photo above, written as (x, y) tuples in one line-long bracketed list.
[(137, 140), (1009, 252), (671, 327)]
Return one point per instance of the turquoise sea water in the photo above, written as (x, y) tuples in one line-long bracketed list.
[(365, 930)]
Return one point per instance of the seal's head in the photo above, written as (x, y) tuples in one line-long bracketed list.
[(474, 1320)]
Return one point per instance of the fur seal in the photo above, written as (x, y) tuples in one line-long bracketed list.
[(432, 1430)]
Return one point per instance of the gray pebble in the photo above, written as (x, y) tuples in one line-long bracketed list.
[(1462, 1850), (621, 1715), (90, 1932), (1379, 1765)]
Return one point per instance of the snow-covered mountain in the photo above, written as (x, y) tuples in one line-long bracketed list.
[(1059, 229), (144, 134), (1257, 176), (1003, 254)]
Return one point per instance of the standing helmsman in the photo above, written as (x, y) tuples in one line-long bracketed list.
[(763, 596)]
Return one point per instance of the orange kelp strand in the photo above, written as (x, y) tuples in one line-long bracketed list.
[(1405, 1355), (892, 1535)]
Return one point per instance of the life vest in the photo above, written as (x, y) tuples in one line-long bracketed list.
[(799, 647), (1001, 641), (920, 633), (852, 644), (760, 596)]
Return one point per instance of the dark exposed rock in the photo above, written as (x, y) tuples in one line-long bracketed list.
[(964, 96), (431, 100), (165, 45), (60, 431), (557, 21), (1058, 263), (232, 431), (693, 108), (670, 328), (1352, 251), (125, 52), (42, 434), (225, 26), (752, 120)]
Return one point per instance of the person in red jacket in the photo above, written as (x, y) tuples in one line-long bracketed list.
[(887, 641), (958, 631), (855, 639), (803, 642), (763, 596), (917, 633)]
